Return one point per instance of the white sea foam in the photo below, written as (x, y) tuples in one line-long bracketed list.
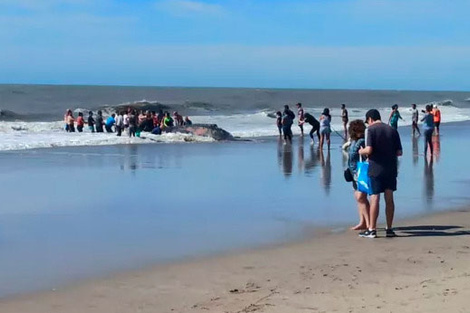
[(31, 135)]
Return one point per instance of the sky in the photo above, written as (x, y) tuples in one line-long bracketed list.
[(350, 44)]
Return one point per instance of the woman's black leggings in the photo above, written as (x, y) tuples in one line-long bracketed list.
[(428, 140)]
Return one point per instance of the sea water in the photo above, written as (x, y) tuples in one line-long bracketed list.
[(31, 116), (70, 213)]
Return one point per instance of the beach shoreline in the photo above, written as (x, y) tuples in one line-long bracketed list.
[(425, 269)]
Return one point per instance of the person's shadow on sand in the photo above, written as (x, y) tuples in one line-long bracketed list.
[(431, 231)]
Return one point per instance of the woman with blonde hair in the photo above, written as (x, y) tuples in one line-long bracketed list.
[(356, 131)]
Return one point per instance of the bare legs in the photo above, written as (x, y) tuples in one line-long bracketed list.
[(363, 208), (374, 211), (322, 140), (389, 209), (415, 128)]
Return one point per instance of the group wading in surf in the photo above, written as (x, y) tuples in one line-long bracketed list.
[(129, 121)]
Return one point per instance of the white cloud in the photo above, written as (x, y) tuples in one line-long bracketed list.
[(190, 8)]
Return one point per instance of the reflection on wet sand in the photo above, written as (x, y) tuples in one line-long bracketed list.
[(326, 171), (312, 162), (415, 148), (428, 180), (300, 152), (436, 146), (284, 154)]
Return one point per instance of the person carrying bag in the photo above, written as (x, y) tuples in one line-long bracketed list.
[(357, 172)]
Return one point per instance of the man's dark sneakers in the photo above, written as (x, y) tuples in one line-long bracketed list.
[(390, 233), (368, 234)]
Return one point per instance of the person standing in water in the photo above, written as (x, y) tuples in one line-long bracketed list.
[(287, 121), (437, 118), (187, 121), (300, 115), (132, 119), (70, 122), (309, 118), (66, 118), (345, 119), (110, 121), (414, 120), (428, 128), (325, 128), (394, 116), (279, 122), (91, 122), (80, 122), (119, 123), (99, 122)]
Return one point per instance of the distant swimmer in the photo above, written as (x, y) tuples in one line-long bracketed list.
[(414, 120), (437, 118), (345, 119), (80, 122), (301, 118), (325, 128), (279, 122), (110, 121), (309, 118), (394, 116), (91, 122)]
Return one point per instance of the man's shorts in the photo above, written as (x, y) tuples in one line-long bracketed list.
[(382, 183)]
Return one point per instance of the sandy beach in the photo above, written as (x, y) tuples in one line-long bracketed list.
[(426, 269)]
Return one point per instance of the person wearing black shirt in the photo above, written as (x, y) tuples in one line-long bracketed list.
[(383, 147), (91, 122)]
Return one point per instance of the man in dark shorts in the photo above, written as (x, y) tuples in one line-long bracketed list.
[(383, 147)]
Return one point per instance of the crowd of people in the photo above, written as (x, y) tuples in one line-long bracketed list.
[(322, 126), (129, 121), (381, 147)]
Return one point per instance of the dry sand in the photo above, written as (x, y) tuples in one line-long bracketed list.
[(427, 269)]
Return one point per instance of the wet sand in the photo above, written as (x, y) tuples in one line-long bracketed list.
[(101, 211), (426, 269)]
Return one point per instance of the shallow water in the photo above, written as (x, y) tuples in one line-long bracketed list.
[(78, 212)]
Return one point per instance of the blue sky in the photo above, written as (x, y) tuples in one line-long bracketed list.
[(367, 44)]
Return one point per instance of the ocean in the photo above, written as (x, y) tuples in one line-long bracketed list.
[(32, 115), (79, 206)]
